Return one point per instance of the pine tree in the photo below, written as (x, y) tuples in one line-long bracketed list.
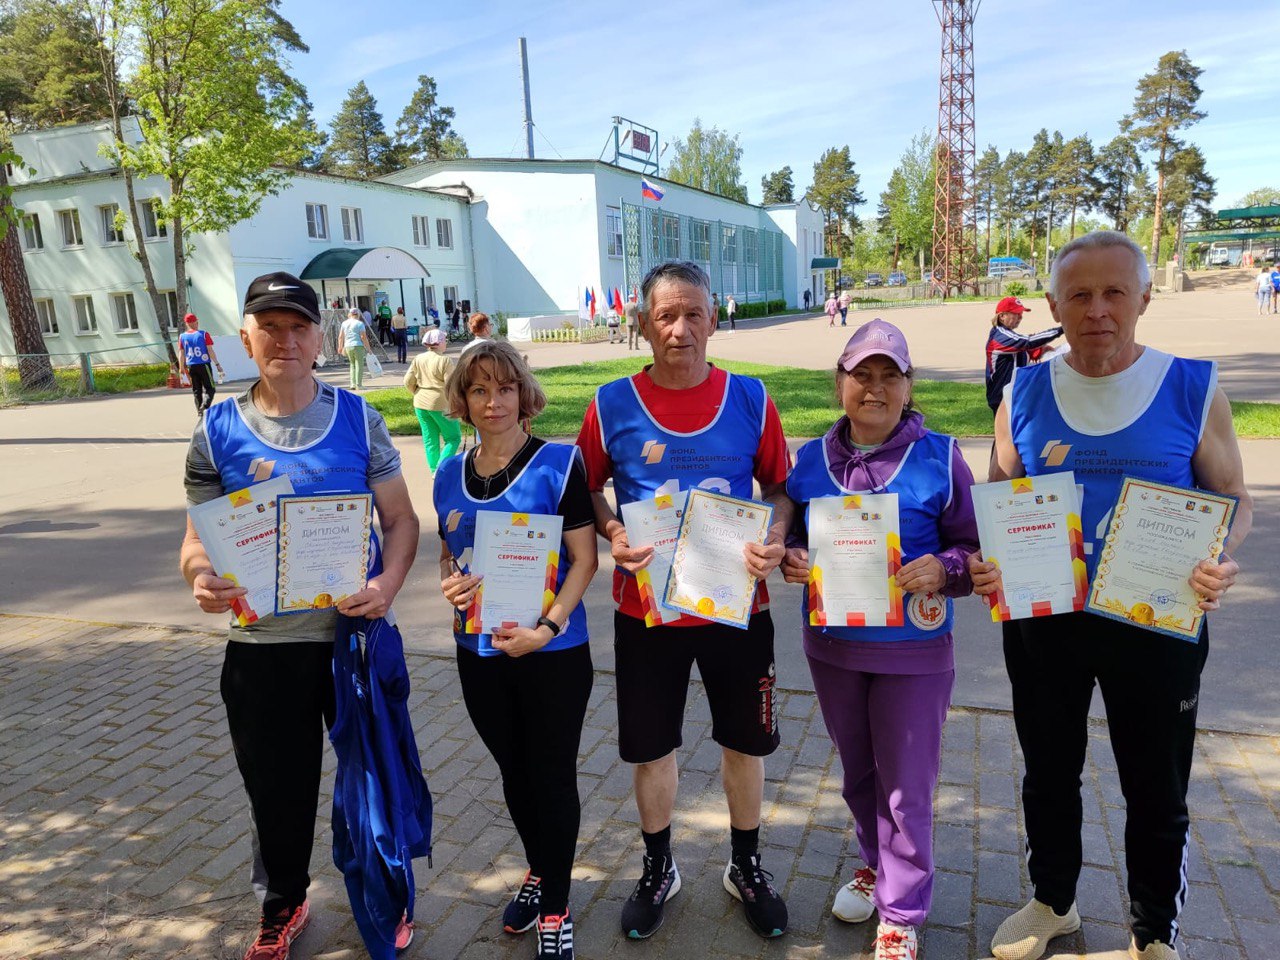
[(1119, 172), (907, 202), (1076, 185), (1164, 105), (425, 126), (986, 173), (835, 192), (778, 187), (359, 145)]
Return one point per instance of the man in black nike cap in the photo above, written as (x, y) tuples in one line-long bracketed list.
[(277, 677)]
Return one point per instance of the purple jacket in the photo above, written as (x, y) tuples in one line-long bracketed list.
[(870, 470)]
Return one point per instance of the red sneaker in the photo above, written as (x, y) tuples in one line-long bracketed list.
[(404, 933), (278, 932)]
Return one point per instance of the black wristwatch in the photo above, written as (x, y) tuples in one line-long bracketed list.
[(550, 625)]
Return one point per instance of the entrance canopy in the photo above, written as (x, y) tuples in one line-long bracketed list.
[(824, 263), (367, 263)]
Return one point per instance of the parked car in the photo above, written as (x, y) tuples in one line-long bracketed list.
[(874, 280), (897, 279), (1008, 267)]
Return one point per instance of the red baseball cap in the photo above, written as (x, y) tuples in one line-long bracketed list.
[(190, 318), (1011, 305)]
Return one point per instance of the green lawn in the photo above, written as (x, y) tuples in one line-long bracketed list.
[(805, 400), (105, 380)]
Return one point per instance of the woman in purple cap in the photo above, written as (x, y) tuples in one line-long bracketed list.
[(884, 690)]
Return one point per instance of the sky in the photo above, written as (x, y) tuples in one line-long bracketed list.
[(794, 79)]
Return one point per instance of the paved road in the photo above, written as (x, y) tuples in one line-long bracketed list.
[(125, 835)]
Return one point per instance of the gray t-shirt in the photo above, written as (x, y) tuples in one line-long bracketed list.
[(204, 483)]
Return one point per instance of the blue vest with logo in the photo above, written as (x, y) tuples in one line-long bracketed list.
[(194, 347), (923, 485), (1156, 445), (338, 462), (648, 458), (536, 489)]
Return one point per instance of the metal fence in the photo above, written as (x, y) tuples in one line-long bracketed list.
[(743, 261), (83, 373)]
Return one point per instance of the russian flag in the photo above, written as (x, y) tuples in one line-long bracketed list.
[(649, 191)]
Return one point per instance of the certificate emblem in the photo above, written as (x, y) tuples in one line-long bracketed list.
[(927, 611)]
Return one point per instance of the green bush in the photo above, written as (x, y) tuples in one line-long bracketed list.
[(756, 308), (1015, 288)]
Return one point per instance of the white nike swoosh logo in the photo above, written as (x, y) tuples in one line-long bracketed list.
[(273, 287)]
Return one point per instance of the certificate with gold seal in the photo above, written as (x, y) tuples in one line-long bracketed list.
[(1157, 535), (855, 552), (322, 554), (708, 576)]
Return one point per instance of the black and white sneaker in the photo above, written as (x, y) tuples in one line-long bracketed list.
[(522, 912), (642, 913), (555, 937), (746, 881)]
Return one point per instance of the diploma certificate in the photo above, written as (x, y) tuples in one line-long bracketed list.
[(655, 523), (323, 552), (239, 535), (519, 556), (708, 576), (1157, 535), (1030, 528), (855, 552)]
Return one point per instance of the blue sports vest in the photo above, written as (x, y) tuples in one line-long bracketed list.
[(647, 458), (536, 489), (194, 348), (923, 485), (1156, 445), (338, 462)]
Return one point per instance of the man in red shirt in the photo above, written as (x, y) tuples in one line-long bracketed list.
[(683, 423)]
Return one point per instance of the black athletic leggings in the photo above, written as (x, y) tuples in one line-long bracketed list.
[(202, 389), (529, 711)]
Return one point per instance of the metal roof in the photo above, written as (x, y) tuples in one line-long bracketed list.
[(365, 263)]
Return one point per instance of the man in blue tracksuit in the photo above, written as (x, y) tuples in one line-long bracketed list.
[(1108, 408), (277, 677)]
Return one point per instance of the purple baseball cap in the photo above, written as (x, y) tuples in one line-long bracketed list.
[(876, 337)]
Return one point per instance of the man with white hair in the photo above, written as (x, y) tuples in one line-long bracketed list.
[(1111, 407)]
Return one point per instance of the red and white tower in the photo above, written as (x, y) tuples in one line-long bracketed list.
[(955, 227)]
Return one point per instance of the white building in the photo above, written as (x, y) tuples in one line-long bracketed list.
[(546, 229), (520, 237), (354, 241)]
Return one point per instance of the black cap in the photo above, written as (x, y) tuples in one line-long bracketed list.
[(282, 291)]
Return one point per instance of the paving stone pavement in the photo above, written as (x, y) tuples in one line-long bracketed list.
[(124, 831)]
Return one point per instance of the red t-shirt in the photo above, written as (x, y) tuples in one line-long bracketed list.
[(682, 411)]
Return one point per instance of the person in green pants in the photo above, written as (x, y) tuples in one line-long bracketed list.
[(353, 341), (425, 380)]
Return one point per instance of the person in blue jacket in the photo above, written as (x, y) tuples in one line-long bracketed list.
[(526, 689), (884, 690)]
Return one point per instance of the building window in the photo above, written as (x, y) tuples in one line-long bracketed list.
[(451, 299), (70, 221), (317, 221), (86, 320), (422, 231), (48, 319), (749, 248), (613, 230), (153, 225), (729, 245), (125, 312), (32, 236), (352, 224), (428, 300), (110, 232), (670, 238), (171, 309), (700, 241), (444, 233)]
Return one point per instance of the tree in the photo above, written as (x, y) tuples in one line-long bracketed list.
[(778, 187), (1262, 197), (711, 160), (425, 124), (1039, 179), (1188, 190), (835, 192), (49, 72), (906, 204), (1010, 195), (304, 119), (986, 174), (1119, 173), (1164, 104), (453, 147), (216, 110), (359, 145), (1076, 185), (35, 371)]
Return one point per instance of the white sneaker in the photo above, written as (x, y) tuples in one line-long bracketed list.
[(1026, 934), (894, 942), (854, 902), (1153, 951)]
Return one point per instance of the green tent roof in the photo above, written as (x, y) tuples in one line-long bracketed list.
[(824, 263), (366, 263)]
